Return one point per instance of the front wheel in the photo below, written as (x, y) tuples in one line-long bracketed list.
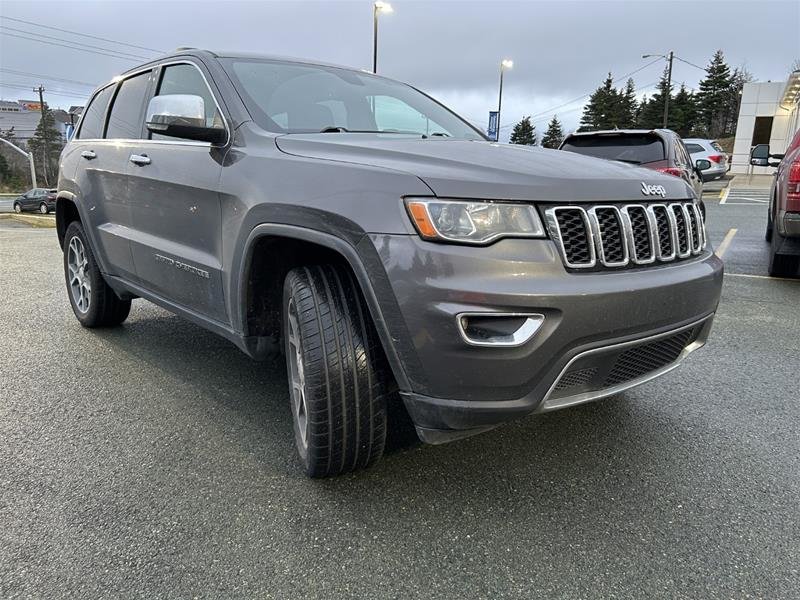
[(93, 302), (17, 207), (338, 376), (43, 208)]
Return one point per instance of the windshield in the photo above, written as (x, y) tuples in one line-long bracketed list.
[(300, 98), (636, 149)]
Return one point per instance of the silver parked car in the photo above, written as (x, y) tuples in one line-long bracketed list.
[(392, 253), (711, 151)]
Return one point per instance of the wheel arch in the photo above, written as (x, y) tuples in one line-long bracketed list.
[(271, 250), (66, 212)]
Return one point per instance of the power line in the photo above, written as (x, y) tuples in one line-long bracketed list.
[(48, 77), (65, 46), (688, 63), (26, 87), (23, 84), (94, 37), (43, 37)]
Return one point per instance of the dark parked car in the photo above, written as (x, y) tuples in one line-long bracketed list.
[(783, 215), (659, 149), (38, 199), (391, 251)]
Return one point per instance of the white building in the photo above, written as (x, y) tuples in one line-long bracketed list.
[(769, 114)]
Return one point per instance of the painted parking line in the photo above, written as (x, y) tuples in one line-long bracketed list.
[(746, 196), (726, 242), (750, 276), (723, 195)]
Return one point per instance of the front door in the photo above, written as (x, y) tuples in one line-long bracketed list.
[(175, 208)]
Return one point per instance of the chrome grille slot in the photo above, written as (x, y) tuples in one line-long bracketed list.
[(642, 229), (610, 239), (611, 236), (682, 229)]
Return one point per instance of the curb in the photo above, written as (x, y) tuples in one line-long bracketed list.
[(32, 220)]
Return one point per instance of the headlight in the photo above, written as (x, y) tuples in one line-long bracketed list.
[(473, 222)]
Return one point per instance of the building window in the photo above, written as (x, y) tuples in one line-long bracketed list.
[(762, 131)]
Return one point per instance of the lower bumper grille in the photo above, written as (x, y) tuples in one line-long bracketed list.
[(603, 371)]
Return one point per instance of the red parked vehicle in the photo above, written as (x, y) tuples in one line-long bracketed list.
[(783, 218)]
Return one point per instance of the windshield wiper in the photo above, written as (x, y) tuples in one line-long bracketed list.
[(626, 160), (334, 129)]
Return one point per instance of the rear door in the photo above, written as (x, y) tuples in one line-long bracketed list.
[(684, 162), (175, 205), (108, 128)]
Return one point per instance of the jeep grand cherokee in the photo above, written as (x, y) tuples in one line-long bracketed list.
[(382, 243)]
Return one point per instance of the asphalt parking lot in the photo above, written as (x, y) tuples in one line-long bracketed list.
[(156, 460)]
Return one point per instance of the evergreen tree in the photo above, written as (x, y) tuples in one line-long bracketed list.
[(652, 114), (554, 135), (683, 112), (602, 110), (46, 145), (739, 77), (628, 106), (713, 98), (524, 133)]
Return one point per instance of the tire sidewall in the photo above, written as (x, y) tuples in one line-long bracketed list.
[(43, 208), (17, 207), (288, 292)]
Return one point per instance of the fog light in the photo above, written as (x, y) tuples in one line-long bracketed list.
[(498, 329)]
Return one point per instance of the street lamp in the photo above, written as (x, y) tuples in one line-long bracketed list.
[(377, 8), (504, 64), (668, 58)]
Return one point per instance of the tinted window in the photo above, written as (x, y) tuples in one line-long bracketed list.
[(302, 98), (186, 79), (636, 149), (95, 114), (694, 148), (126, 118), (717, 147)]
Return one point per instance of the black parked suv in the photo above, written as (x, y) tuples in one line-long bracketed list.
[(379, 241), (40, 200), (659, 149)]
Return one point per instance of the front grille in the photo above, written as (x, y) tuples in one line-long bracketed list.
[(641, 360), (608, 236)]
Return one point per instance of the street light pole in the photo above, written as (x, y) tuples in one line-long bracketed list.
[(377, 7), (669, 87), (29, 156), (504, 64), (668, 58)]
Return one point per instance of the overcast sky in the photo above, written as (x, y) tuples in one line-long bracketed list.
[(451, 49)]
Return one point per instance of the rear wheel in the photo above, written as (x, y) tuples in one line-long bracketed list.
[(338, 376), (93, 302), (43, 208), (781, 265)]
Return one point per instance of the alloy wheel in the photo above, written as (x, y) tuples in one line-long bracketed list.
[(297, 379), (80, 284)]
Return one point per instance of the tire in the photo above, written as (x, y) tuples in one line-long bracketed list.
[(17, 207), (95, 304), (43, 208), (768, 232), (338, 376), (781, 265)]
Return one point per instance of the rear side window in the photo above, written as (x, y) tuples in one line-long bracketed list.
[(187, 79), (631, 148), (127, 112), (95, 115), (694, 148), (717, 147)]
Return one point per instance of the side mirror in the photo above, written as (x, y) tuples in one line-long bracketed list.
[(759, 155), (701, 164), (182, 116)]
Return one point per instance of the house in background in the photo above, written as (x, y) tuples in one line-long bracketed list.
[(769, 114)]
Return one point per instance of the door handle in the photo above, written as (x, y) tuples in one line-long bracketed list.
[(140, 159), (88, 154)]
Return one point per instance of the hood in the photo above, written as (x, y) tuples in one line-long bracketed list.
[(487, 170)]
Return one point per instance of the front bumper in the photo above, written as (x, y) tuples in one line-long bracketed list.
[(457, 388)]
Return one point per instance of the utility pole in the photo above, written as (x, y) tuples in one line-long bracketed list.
[(669, 87), (46, 146)]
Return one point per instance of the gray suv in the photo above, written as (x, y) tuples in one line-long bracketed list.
[(379, 241)]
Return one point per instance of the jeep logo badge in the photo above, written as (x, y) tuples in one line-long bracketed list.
[(654, 190)]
